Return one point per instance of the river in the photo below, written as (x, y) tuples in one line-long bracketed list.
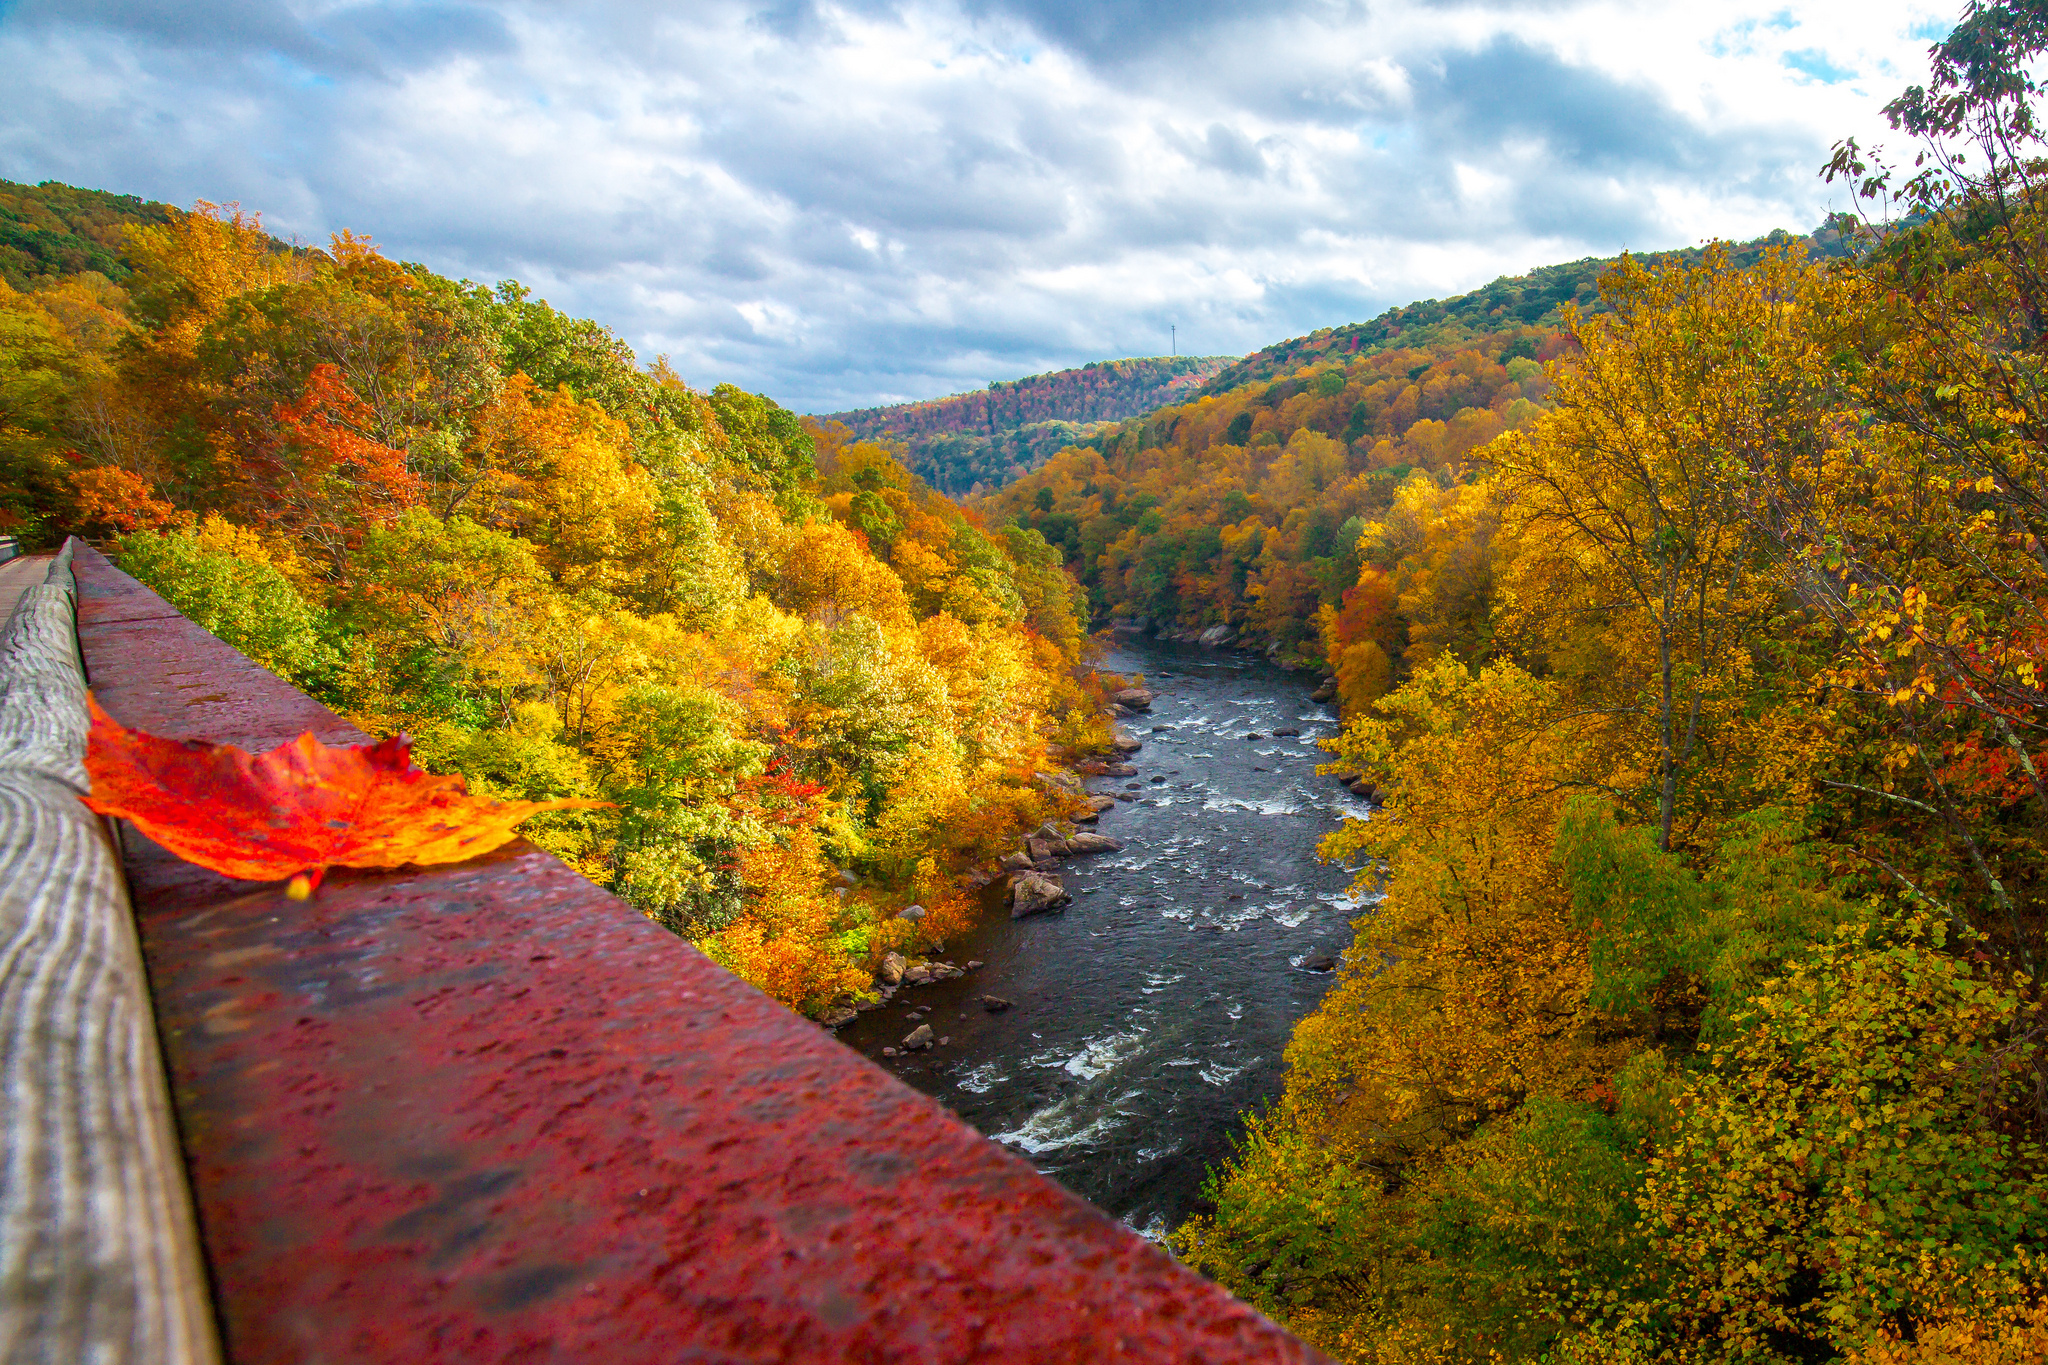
[(1149, 1015)]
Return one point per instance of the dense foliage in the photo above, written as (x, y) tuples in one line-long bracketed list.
[(810, 688), (1701, 1017), (1247, 509), (988, 438), (50, 230)]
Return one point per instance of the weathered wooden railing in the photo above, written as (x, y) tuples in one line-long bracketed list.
[(488, 1112), (98, 1259)]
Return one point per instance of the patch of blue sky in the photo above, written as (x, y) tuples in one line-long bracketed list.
[(1739, 39), (295, 74), (1930, 30), (1813, 62)]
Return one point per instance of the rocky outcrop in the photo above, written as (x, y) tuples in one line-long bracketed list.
[(1032, 894), (927, 972), (1327, 692), (1217, 636)]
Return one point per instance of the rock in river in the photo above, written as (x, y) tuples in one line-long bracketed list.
[(994, 1004), (1137, 698), (919, 1039), (1086, 842), (1031, 894)]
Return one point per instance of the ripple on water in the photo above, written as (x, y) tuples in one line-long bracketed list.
[(1099, 1055), (1270, 805), (1058, 1126), (983, 1078), (1218, 1074)]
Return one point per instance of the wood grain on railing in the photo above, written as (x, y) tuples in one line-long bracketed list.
[(99, 1257)]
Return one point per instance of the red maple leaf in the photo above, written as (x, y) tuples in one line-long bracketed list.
[(296, 811)]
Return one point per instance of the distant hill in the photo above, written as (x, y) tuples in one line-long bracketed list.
[(991, 436), (1243, 504), (50, 230), (1532, 300)]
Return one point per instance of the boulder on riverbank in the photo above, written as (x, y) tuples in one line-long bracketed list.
[(1326, 693), (893, 967), (1032, 894), (1136, 698), (1217, 636), (1088, 842), (1124, 744)]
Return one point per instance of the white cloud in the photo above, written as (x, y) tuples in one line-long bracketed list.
[(850, 203)]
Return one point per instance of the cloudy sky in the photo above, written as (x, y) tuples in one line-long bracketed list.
[(862, 202)]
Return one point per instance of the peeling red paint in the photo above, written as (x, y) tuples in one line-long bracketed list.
[(489, 1113)]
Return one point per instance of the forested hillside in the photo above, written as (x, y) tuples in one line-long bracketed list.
[(1698, 1014), (451, 510), (50, 230), (1254, 507), (1249, 509), (1536, 299), (989, 437)]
